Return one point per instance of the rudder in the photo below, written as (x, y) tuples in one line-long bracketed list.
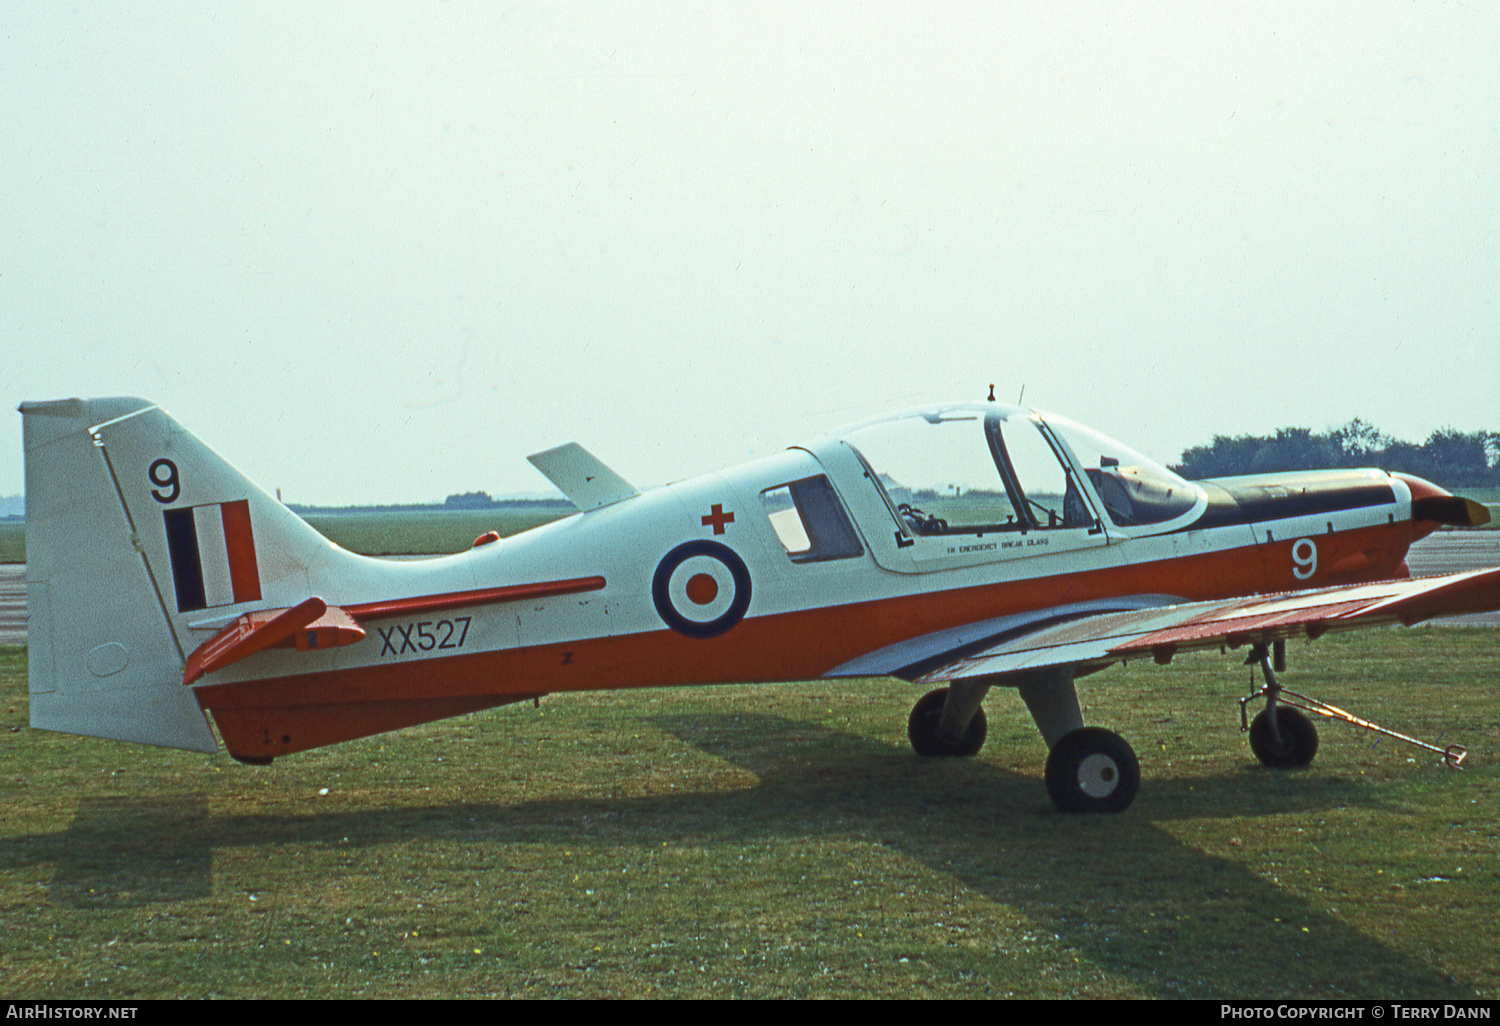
[(139, 538)]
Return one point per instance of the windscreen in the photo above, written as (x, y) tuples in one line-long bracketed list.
[(1135, 490)]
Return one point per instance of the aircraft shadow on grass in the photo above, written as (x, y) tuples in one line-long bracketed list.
[(1080, 878)]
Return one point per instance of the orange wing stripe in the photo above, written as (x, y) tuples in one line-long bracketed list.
[(1277, 624), (1410, 601)]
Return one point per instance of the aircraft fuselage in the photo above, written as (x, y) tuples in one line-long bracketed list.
[(707, 581)]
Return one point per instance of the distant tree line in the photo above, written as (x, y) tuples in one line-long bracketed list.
[(454, 503), (1454, 459), (483, 500), (469, 500)]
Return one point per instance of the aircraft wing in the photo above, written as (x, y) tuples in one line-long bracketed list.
[(1093, 641)]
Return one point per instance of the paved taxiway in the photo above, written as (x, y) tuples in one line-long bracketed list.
[(1446, 552)]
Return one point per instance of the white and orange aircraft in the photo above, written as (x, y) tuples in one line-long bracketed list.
[(970, 545)]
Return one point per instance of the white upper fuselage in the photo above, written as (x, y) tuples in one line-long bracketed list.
[(692, 614)]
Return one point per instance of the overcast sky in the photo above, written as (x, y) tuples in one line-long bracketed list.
[(380, 252)]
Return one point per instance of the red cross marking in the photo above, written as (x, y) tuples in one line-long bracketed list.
[(718, 518)]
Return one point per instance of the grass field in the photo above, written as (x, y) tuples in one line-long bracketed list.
[(372, 534), (440, 531), (777, 841), (12, 541)]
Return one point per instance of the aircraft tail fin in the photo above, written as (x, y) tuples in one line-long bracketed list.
[(139, 539)]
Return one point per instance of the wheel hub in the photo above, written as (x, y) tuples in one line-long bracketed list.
[(1098, 776)]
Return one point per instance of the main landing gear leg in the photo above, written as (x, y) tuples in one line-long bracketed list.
[(949, 721), (1089, 769), (1053, 702)]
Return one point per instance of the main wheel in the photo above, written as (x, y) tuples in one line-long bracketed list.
[(1299, 739), (922, 725), (1092, 770)]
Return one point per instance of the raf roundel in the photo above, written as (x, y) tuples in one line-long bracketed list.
[(701, 589)]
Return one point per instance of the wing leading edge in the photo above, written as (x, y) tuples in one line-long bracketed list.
[(1094, 641)]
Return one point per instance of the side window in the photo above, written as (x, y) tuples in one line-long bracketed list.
[(810, 521), (939, 474)]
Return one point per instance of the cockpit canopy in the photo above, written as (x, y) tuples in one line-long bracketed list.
[(1135, 490), (991, 467)]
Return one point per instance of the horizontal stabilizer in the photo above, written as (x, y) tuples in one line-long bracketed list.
[(309, 626)]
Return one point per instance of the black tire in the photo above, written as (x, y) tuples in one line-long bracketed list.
[(922, 725), (1299, 739), (1092, 770)]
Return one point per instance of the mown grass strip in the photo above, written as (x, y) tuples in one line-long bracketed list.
[(373, 534), (12, 541), (777, 841)]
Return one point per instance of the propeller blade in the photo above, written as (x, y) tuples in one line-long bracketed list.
[(1451, 510)]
